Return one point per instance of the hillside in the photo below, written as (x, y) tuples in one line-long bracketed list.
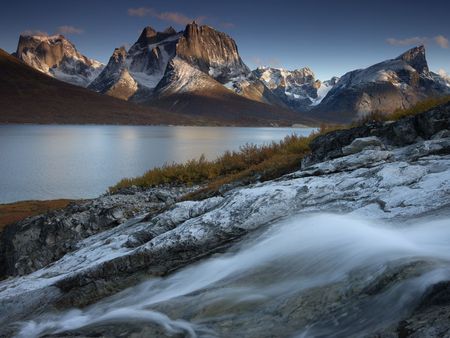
[(29, 96)]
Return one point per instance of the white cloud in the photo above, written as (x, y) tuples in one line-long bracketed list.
[(69, 30), (407, 42), (444, 75), (442, 41), (34, 33), (173, 17)]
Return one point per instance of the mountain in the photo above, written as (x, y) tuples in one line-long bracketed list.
[(56, 56), (383, 87), (298, 89), (197, 72), (29, 96), (186, 89), (137, 71)]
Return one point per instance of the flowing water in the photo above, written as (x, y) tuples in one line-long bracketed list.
[(306, 276), (70, 161)]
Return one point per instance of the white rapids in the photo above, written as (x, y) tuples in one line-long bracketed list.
[(313, 260)]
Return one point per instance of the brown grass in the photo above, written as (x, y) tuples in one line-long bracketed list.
[(267, 161), (13, 212), (252, 162)]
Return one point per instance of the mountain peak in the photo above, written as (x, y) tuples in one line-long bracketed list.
[(148, 33), (170, 30), (415, 57)]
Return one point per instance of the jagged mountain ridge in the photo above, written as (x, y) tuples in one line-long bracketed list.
[(298, 89), (196, 72), (146, 74), (144, 65), (383, 87), (58, 57)]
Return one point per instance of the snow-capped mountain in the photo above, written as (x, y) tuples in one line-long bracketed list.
[(115, 79), (160, 62), (131, 73), (298, 89), (383, 87), (58, 57)]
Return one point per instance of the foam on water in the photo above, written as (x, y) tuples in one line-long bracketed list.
[(290, 258)]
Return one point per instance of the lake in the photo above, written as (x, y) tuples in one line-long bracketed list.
[(68, 161)]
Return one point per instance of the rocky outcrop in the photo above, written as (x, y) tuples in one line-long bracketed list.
[(399, 133), (56, 56), (212, 52), (38, 241), (386, 179)]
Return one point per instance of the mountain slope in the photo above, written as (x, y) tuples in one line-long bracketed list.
[(29, 96), (58, 57), (383, 87), (185, 89)]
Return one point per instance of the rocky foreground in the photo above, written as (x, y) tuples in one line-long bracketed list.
[(396, 174)]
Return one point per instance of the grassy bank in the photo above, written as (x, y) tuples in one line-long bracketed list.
[(254, 162), (250, 162), (13, 212)]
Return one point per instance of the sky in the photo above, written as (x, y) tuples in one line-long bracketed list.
[(330, 37)]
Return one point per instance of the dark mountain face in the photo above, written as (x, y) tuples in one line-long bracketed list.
[(384, 87)]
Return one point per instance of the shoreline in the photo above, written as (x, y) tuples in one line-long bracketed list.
[(17, 211)]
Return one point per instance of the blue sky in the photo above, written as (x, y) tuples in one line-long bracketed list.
[(331, 37)]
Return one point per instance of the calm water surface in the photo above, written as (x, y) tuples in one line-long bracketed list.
[(48, 162)]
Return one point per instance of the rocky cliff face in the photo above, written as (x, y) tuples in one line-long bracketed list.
[(303, 272), (56, 56), (384, 87), (212, 52)]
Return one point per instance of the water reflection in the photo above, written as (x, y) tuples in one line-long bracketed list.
[(45, 162)]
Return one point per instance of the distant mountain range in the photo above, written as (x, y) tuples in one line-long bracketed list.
[(199, 73)]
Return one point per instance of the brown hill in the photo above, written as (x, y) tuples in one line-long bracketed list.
[(29, 96)]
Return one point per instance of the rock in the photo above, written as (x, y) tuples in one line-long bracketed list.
[(441, 134), (399, 133), (358, 144), (36, 242)]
